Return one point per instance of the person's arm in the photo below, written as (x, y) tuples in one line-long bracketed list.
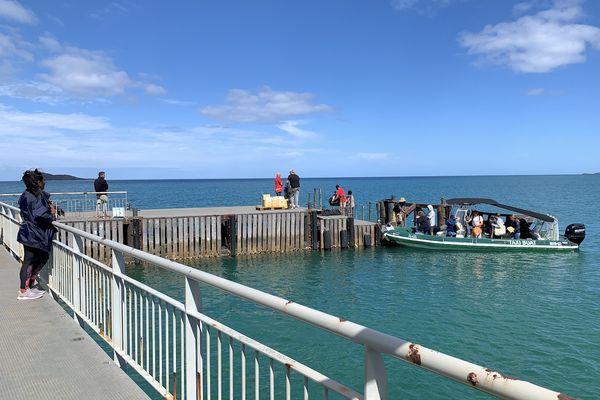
[(41, 214)]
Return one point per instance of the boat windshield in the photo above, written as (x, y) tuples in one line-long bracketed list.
[(544, 230)]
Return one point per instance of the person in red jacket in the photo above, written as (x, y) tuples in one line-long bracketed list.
[(278, 185), (341, 195)]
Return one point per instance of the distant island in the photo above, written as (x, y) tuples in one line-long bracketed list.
[(61, 177), (593, 173)]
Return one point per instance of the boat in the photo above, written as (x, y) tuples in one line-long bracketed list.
[(539, 231)]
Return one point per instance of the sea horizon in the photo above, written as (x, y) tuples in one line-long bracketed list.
[(318, 177)]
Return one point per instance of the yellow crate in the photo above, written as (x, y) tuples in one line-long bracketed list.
[(267, 200), (279, 201)]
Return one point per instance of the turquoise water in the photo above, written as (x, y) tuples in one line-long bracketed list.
[(532, 316)]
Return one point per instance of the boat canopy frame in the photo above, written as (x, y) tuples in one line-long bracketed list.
[(470, 201)]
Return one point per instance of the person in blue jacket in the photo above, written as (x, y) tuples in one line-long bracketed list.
[(35, 234)]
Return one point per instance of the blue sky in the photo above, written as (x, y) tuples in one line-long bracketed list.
[(240, 89)]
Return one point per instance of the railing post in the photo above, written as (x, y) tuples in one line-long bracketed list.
[(376, 385), (117, 319), (193, 303), (77, 243)]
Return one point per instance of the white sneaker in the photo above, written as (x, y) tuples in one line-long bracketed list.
[(28, 295), (37, 291)]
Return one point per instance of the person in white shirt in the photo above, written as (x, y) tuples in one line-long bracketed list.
[(477, 224), (431, 217), (498, 226)]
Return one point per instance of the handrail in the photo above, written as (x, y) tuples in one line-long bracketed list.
[(16, 209), (65, 193), (465, 372)]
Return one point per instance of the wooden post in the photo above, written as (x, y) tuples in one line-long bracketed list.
[(233, 235), (367, 240), (327, 240), (343, 239), (350, 230), (135, 232)]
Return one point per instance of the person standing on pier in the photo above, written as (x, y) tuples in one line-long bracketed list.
[(351, 204), (341, 195), (35, 234), (100, 185), (294, 181), (278, 185)]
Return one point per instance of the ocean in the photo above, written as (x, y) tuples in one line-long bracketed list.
[(533, 316)]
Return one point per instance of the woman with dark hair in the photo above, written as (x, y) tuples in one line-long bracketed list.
[(422, 222), (35, 234)]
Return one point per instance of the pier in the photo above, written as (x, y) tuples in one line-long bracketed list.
[(47, 355), (193, 233), (182, 353)]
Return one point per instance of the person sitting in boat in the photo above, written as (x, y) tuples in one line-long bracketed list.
[(451, 227), (476, 222), (498, 226), (525, 232), (514, 227), (422, 223)]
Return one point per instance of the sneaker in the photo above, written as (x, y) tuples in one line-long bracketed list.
[(28, 295), (37, 290)]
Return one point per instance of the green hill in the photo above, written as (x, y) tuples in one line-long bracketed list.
[(61, 177)]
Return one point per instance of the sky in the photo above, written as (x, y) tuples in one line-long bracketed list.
[(331, 88)]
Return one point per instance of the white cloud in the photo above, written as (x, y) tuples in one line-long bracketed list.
[(523, 8), (12, 46), (50, 43), (16, 12), (538, 43), (292, 128), (54, 140), (113, 8), (182, 103), (421, 6), (151, 88), (88, 73), (373, 156), (404, 4), (542, 92), (266, 106), (34, 91), (76, 122), (536, 92)]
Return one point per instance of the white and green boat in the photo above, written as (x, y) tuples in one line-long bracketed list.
[(539, 232)]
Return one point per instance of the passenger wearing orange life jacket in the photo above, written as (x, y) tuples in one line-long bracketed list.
[(477, 224)]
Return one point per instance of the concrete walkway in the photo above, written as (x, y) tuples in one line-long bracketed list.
[(44, 354)]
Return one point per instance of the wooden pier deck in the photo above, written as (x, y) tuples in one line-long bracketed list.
[(187, 233), (46, 355)]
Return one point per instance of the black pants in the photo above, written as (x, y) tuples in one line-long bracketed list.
[(33, 262)]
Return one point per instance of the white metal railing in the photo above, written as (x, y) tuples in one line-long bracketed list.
[(10, 222), (77, 204), (182, 352)]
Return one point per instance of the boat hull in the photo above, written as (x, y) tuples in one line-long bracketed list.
[(406, 237)]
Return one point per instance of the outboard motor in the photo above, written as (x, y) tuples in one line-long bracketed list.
[(575, 233)]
